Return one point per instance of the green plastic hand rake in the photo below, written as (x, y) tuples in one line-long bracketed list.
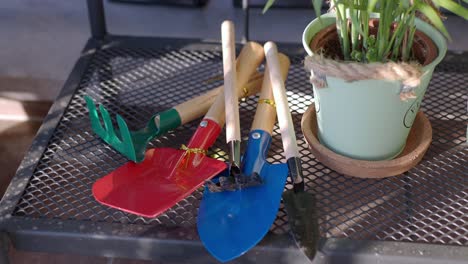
[(132, 144)]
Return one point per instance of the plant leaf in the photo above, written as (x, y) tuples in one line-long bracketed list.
[(267, 6), (433, 17), (371, 5), (355, 23), (405, 4), (453, 7), (317, 7)]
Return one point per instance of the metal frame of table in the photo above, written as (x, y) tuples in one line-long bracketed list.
[(176, 243)]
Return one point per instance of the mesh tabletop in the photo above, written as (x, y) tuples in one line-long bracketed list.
[(427, 204)]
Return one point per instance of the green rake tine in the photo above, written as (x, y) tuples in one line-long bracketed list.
[(126, 138), (123, 141), (107, 123), (94, 117)]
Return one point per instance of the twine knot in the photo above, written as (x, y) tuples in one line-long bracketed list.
[(409, 74)]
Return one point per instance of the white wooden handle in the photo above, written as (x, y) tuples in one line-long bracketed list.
[(230, 91), (250, 57), (288, 135)]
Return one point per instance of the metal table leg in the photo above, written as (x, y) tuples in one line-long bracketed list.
[(4, 247)]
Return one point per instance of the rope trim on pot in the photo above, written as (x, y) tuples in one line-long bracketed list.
[(408, 73)]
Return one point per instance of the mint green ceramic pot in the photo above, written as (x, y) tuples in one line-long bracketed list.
[(366, 119)]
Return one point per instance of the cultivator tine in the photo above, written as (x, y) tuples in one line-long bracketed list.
[(94, 118), (126, 138), (107, 123), (122, 140)]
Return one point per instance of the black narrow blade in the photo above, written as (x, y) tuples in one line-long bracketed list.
[(303, 220)]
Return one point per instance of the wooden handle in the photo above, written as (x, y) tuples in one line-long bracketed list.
[(252, 87), (250, 57), (230, 95), (265, 116), (286, 125), (198, 106)]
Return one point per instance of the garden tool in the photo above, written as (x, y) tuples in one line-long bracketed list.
[(132, 144), (230, 97), (235, 179), (167, 175), (243, 216), (300, 205)]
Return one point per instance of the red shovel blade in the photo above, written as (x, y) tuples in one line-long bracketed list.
[(165, 177), (150, 188)]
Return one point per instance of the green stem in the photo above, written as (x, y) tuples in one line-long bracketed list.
[(409, 44), (365, 24), (354, 28), (384, 29), (342, 27), (396, 48), (365, 36), (396, 36)]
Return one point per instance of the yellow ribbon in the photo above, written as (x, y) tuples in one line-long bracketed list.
[(189, 151), (193, 150), (267, 101), (246, 92)]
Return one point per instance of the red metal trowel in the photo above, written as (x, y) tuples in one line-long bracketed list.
[(167, 175)]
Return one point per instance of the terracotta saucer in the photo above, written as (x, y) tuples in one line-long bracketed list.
[(418, 142)]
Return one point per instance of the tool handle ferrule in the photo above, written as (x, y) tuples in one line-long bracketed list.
[(256, 152), (295, 172), (165, 121), (205, 135), (234, 157)]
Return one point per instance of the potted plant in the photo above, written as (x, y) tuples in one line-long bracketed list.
[(371, 62)]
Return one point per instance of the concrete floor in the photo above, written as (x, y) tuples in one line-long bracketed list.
[(19, 257), (40, 41), (16, 136), (15, 139)]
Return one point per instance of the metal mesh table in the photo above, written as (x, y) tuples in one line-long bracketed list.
[(49, 205)]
